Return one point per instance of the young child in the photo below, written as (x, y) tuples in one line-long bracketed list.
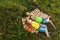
[(38, 19), (42, 20), (39, 27), (27, 26)]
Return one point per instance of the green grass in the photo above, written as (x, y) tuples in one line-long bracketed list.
[(11, 12)]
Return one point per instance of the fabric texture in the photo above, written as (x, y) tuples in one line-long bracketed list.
[(44, 21), (35, 24), (42, 28), (29, 28), (38, 19)]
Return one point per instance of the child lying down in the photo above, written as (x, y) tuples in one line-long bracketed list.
[(35, 27)]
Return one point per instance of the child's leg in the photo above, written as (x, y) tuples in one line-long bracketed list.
[(43, 28), (47, 33)]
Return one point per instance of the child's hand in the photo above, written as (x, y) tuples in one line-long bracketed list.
[(36, 31)]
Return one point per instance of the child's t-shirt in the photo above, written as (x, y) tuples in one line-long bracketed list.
[(29, 28), (38, 19), (35, 24)]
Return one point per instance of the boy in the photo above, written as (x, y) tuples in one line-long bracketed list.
[(39, 27), (27, 26)]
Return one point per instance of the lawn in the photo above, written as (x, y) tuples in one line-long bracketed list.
[(11, 12)]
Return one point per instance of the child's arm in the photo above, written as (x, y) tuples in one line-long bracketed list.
[(36, 31)]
